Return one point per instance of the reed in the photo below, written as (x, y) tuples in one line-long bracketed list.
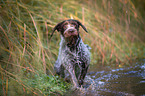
[(116, 36)]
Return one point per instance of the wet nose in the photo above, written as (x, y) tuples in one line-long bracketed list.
[(71, 30)]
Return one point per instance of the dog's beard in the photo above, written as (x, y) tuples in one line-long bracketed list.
[(72, 41)]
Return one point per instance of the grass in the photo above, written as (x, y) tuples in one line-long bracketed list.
[(116, 36)]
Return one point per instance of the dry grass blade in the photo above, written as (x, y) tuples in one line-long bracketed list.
[(116, 36)]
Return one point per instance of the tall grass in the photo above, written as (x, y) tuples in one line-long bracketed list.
[(116, 36)]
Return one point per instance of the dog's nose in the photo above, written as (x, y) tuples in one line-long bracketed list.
[(71, 30)]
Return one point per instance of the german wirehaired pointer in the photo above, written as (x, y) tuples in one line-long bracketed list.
[(74, 56)]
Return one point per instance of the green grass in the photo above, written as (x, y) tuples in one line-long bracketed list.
[(116, 36)]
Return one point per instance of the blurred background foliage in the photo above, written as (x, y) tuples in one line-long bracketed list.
[(116, 36)]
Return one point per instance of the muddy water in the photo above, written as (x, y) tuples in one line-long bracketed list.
[(105, 81)]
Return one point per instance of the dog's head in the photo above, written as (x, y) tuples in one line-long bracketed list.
[(69, 29)]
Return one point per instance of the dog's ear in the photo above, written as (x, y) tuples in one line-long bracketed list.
[(79, 23), (57, 27)]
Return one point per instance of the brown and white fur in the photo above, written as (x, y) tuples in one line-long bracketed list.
[(74, 56)]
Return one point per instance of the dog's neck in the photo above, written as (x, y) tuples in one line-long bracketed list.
[(73, 42), (72, 45)]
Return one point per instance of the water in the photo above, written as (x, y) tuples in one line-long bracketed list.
[(103, 81), (128, 81)]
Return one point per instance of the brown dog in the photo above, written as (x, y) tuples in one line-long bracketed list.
[(74, 56)]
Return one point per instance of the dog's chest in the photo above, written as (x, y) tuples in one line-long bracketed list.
[(78, 55)]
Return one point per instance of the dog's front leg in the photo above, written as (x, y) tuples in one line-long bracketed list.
[(73, 77)]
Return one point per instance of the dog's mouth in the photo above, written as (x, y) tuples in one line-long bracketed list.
[(72, 41), (71, 37)]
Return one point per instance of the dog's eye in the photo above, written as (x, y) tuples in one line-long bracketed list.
[(65, 26), (73, 25)]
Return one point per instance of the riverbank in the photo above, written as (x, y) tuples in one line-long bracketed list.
[(115, 34)]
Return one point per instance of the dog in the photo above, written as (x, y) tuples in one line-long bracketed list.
[(74, 56)]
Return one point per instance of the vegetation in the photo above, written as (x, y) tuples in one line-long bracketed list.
[(116, 36)]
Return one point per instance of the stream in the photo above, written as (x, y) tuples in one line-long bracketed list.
[(104, 81)]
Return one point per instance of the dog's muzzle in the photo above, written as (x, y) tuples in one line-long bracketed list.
[(70, 32)]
